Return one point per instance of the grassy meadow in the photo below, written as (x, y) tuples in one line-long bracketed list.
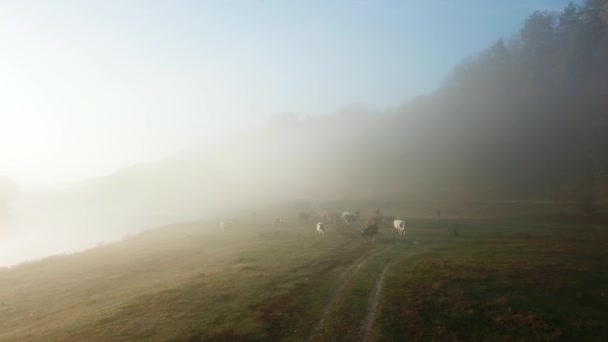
[(453, 279)]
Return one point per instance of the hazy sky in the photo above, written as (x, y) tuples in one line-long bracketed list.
[(89, 86)]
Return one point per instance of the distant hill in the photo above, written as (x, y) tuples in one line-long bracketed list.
[(524, 119)]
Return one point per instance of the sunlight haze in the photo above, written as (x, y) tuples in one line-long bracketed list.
[(89, 87), (310, 170)]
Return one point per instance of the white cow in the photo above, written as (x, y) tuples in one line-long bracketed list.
[(350, 217), (223, 226), (321, 229), (399, 226)]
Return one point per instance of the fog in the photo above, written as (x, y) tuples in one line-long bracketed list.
[(288, 160), (148, 115)]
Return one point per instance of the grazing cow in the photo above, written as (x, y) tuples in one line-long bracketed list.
[(399, 226), (303, 216), (321, 229), (350, 217), (371, 230), (436, 214), (278, 222)]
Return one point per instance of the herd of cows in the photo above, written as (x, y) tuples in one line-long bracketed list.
[(371, 227), (369, 232)]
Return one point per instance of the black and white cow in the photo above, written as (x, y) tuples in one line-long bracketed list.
[(370, 231), (399, 226), (321, 229)]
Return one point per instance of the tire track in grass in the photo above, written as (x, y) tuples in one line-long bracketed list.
[(338, 293), (368, 322)]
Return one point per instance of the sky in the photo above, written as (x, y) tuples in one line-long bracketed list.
[(88, 87)]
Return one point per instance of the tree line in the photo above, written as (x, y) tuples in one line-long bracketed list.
[(527, 117)]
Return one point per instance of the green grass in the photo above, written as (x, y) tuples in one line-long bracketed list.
[(448, 280), (494, 283), (351, 309)]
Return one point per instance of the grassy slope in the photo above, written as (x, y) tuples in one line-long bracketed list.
[(464, 280), (498, 280)]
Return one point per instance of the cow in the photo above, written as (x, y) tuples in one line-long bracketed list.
[(370, 230), (399, 226), (278, 222), (321, 229), (223, 226), (436, 214), (350, 217)]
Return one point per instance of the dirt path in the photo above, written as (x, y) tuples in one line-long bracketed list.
[(368, 322), (345, 279)]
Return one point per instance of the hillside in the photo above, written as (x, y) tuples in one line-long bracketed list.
[(524, 119), (452, 279), (512, 148)]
